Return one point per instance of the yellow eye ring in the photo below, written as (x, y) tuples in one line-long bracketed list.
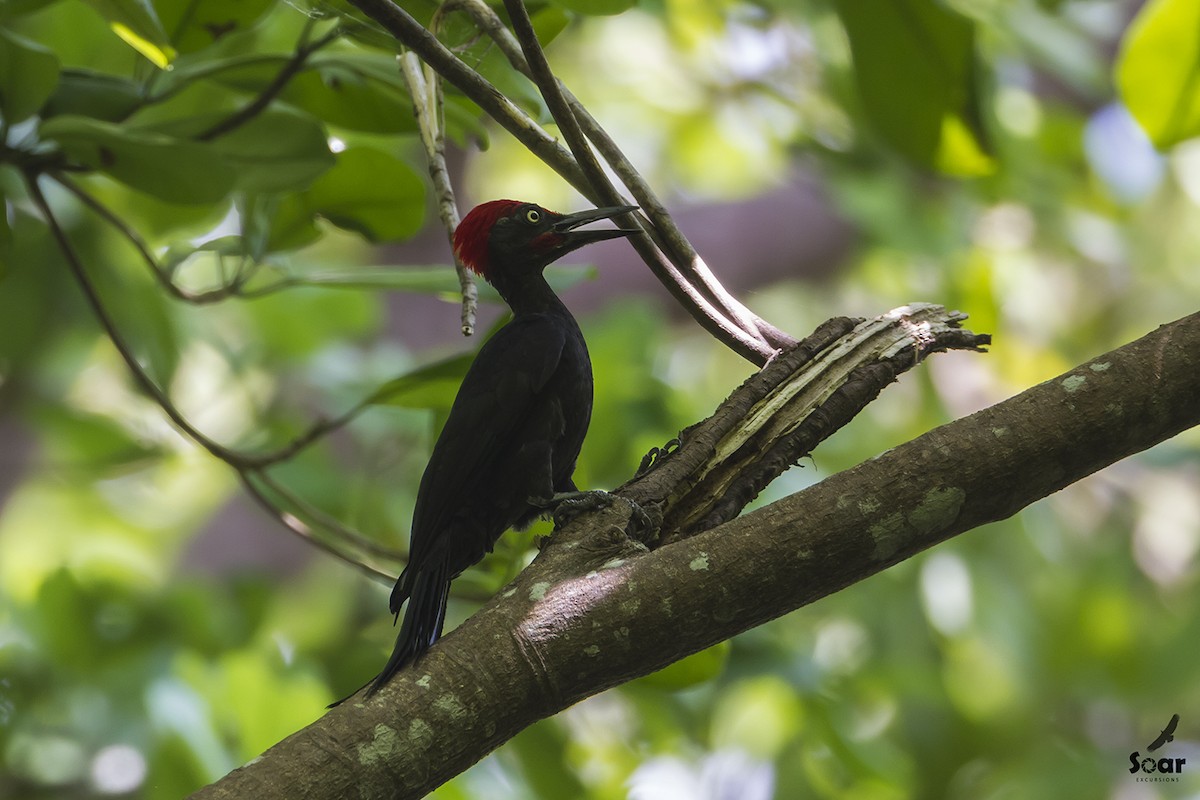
[(533, 216)]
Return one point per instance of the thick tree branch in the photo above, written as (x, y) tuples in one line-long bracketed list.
[(596, 608), (780, 415)]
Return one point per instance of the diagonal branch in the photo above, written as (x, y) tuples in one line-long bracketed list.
[(570, 116), (92, 295), (677, 273), (596, 609), (251, 480), (400, 24), (781, 414)]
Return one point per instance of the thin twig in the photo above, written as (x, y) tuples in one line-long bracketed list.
[(298, 527), (233, 457), (92, 295), (400, 24), (324, 519), (425, 88), (161, 275), (319, 429), (272, 89), (245, 465)]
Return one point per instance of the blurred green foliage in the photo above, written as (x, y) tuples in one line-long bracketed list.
[(1025, 659)]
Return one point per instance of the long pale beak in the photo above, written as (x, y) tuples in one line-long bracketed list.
[(571, 238)]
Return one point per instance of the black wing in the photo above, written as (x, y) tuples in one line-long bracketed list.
[(499, 393)]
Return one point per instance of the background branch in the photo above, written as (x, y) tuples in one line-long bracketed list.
[(589, 614), (250, 466)]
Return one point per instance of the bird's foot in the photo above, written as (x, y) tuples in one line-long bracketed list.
[(566, 506)]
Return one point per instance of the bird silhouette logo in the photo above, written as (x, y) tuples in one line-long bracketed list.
[(1167, 735)]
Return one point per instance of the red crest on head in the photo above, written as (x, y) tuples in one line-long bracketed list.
[(471, 235)]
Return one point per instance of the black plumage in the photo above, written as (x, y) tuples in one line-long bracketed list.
[(518, 422)]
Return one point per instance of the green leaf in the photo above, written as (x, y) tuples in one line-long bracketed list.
[(344, 96), (441, 280), (431, 386), (692, 670), (11, 9), (171, 169), (370, 192), (422, 280), (550, 21), (276, 151), (92, 94), (915, 72), (195, 25), (1158, 71), (28, 75), (66, 620), (137, 24), (362, 92), (291, 223), (180, 252), (81, 439), (597, 7)]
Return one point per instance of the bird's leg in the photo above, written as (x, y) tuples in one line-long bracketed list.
[(565, 506)]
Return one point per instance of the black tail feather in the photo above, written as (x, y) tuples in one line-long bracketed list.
[(423, 620)]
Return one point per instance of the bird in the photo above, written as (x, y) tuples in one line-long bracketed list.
[(507, 451), (1167, 735)]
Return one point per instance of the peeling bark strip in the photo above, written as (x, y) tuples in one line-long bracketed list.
[(596, 609), (779, 415)]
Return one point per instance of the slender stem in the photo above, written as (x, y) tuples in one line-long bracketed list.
[(92, 295), (323, 519), (163, 276), (319, 429), (246, 466), (425, 88), (733, 318), (547, 84), (233, 457), (670, 237), (184, 78)]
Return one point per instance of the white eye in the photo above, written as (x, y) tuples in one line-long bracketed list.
[(533, 216)]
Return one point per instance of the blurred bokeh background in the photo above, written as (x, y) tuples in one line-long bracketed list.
[(158, 628)]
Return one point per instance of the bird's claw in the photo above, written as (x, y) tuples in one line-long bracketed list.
[(655, 456)]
